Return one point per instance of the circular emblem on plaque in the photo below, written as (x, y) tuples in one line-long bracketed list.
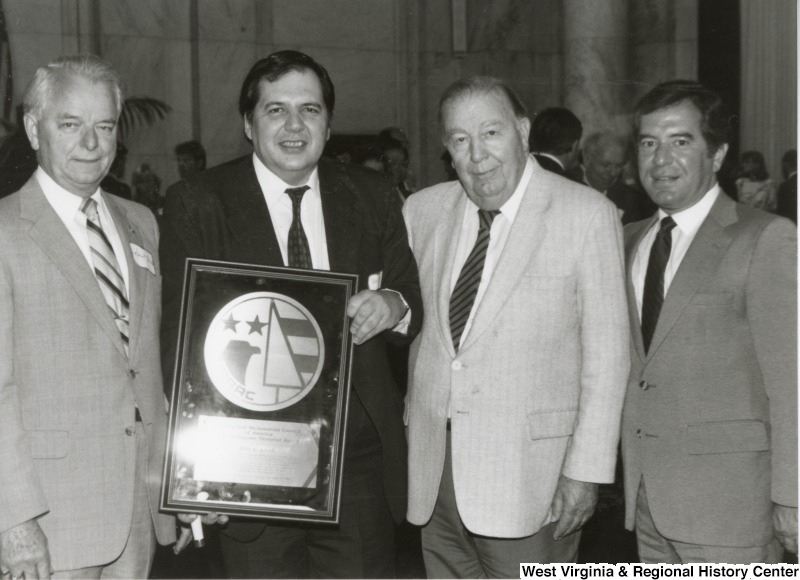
[(264, 351)]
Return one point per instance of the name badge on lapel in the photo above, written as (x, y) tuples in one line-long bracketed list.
[(375, 280), (143, 258)]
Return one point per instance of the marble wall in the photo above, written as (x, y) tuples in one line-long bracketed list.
[(389, 59)]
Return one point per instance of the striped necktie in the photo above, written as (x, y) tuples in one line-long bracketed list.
[(466, 288), (299, 254), (107, 270), (654, 280)]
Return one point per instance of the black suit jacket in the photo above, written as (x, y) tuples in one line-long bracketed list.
[(221, 214), (549, 164)]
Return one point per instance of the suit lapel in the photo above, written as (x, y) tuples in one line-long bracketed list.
[(49, 233), (343, 219), (249, 219), (527, 233), (445, 242), (708, 247), (632, 242), (138, 278)]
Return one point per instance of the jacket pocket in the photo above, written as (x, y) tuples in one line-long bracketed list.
[(49, 444), (551, 424), (727, 437)]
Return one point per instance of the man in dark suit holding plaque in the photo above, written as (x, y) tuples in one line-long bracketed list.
[(285, 206)]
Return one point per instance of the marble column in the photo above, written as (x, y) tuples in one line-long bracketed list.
[(596, 79), (663, 42)]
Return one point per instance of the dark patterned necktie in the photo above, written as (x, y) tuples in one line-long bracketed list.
[(654, 280), (299, 254), (466, 288), (107, 270)]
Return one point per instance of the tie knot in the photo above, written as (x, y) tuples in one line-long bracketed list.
[(486, 217), (296, 193), (666, 225), (89, 207)]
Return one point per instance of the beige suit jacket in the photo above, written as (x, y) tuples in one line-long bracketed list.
[(710, 419), (536, 388), (67, 390)]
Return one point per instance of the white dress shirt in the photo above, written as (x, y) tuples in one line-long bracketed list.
[(279, 205), (687, 222), (68, 207), (501, 226)]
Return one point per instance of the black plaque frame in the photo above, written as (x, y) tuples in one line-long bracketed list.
[(223, 426)]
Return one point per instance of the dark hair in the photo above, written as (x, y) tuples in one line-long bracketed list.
[(192, 148), (715, 124), (760, 173), (391, 133), (274, 67), (481, 84), (555, 130)]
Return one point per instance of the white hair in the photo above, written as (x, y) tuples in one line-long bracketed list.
[(87, 66)]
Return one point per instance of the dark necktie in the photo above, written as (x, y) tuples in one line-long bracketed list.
[(299, 254), (654, 280), (466, 288)]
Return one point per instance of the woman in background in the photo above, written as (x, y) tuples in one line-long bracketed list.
[(754, 187)]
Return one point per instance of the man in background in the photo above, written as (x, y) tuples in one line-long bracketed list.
[(395, 165), (605, 155), (518, 375), (114, 181), (709, 432), (555, 139), (787, 191), (190, 157), (81, 400)]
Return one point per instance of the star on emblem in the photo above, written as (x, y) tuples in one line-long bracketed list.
[(256, 325), (230, 323)]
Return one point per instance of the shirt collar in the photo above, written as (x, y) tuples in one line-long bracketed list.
[(274, 186), (510, 208), (690, 219), (64, 202)]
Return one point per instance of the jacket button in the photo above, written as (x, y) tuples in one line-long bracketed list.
[(130, 431), (644, 385), (639, 433), (456, 365), (132, 373)]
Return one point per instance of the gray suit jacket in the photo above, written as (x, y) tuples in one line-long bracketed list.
[(710, 419), (67, 390), (536, 388)]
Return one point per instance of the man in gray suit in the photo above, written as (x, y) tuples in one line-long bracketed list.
[(709, 434), (518, 375), (81, 401)]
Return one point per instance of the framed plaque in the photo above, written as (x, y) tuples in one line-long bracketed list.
[(260, 392)]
